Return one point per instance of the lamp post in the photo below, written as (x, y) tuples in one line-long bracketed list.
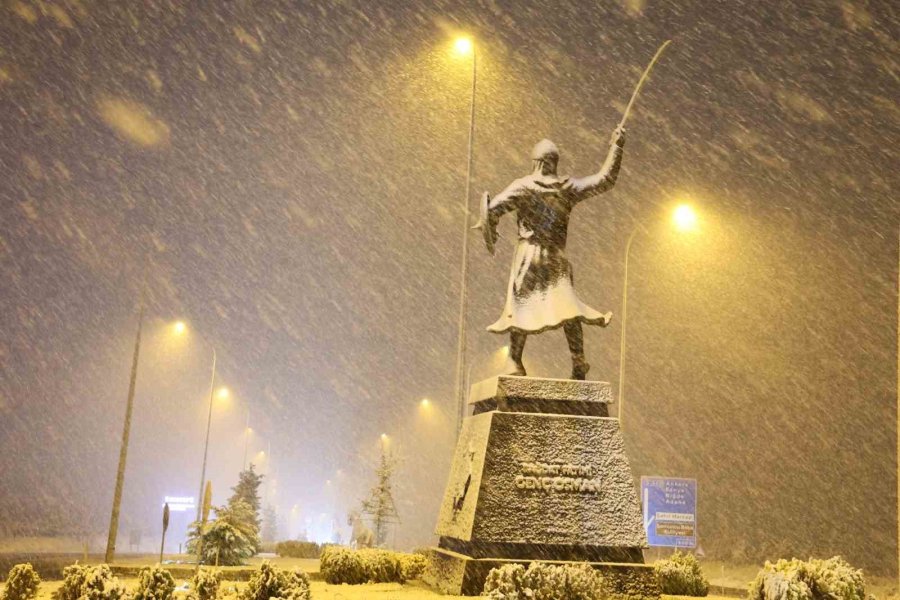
[(246, 440), (464, 45), (685, 219), (212, 385), (123, 450)]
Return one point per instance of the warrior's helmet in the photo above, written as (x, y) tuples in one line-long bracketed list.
[(545, 152)]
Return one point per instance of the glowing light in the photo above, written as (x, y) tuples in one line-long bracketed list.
[(179, 327), (425, 403), (223, 393), (384, 437), (464, 45), (684, 218)]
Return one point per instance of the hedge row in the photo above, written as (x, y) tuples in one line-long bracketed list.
[(345, 565)]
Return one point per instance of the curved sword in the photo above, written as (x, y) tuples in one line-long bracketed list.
[(641, 81)]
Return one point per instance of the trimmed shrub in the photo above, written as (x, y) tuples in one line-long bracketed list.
[(295, 549), (269, 582), (154, 583), (91, 582), (21, 583), (412, 566), (342, 565), (368, 565), (681, 575), (541, 581), (505, 583), (815, 579), (205, 584)]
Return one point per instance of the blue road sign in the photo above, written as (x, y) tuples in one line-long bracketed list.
[(670, 511)]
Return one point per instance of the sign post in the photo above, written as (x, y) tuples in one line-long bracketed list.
[(165, 527), (670, 511)]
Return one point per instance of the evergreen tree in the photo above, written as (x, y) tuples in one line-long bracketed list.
[(379, 506), (269, 531), (247, 489), (229, 538)]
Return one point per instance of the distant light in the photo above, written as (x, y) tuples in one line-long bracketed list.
[(425, 403), (384, 437), (223, 393), (463, 45), (684, 218), (179, 327), (327, 482), (180, 503)]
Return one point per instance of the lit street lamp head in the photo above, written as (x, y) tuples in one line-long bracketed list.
[(684, 218), (464, 46), (179, 327)]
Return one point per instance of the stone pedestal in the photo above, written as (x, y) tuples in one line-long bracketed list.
[(539, 473)]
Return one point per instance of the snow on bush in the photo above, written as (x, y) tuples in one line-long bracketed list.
[(505, 583), (541, 581), (205, 584), (21, 583), (268, 583), (91, 582), (681, 575), (412, 566), (369, 565), (815, 579), (295, 549), (154, 583)]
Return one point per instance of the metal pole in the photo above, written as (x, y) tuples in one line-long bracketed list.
[(212, 385), (461, 334), (246, 440), (123, 451), (624, 316)]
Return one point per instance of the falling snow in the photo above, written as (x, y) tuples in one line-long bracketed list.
[(288, 177)]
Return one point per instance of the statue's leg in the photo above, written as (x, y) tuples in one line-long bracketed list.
[(575, 339), (516, 348)]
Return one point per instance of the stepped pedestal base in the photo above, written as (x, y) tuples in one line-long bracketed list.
[(459, 575), (540, 474)]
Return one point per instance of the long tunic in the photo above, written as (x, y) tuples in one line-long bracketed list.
[(541, 293)]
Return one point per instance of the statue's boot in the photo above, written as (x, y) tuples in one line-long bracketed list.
[(513, 367), (580, 367)]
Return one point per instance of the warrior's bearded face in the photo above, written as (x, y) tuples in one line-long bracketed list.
[(545, 157)]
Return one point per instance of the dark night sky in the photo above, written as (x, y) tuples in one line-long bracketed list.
[(287, 177)]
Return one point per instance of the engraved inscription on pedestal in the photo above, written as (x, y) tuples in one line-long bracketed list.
[(538, 474)]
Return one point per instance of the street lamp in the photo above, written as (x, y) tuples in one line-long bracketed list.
[(123, 449), (684, 218), (212, 385), (465, 47), (177, 328)]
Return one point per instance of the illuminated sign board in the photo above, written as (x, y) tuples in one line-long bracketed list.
[(670, 511), (180, 503)]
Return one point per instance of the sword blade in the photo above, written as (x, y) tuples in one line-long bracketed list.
[(641, 81)]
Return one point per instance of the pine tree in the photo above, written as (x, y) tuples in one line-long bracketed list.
[(380, 505), (229, 538), (269, 531), (247, 489)]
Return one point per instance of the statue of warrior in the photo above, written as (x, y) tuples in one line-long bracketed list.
[(541, 294)]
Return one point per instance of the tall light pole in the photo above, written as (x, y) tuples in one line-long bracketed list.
[(465, 45), (684, 219), (212, 385), (123, 450), (246, 439)]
